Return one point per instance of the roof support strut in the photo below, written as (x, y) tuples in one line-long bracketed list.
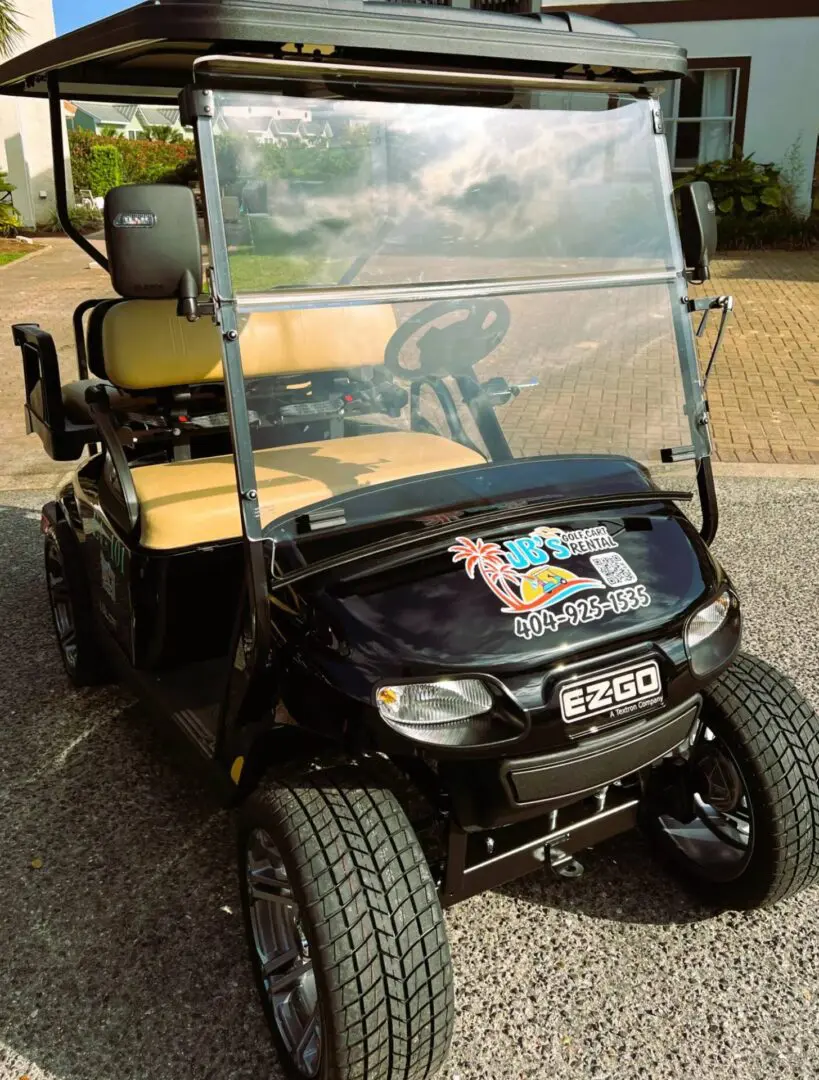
[(55, 113)]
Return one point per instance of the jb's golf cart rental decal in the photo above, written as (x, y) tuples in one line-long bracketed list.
[(543, 596)]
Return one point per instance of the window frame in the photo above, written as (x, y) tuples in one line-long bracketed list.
[(742, 66)]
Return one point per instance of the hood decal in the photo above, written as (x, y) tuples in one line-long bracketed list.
[(543, 594)]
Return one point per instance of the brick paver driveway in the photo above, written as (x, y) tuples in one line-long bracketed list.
[(764, 392), (607, 382)]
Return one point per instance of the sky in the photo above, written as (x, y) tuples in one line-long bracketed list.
[(69, 14)]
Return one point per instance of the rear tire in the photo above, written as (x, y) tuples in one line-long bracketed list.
[(70, 603), (766, 738), (353, 900)]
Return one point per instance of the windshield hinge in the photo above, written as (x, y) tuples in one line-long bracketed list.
[(657, 117), (195, 103), (671, 454), (316, 520)]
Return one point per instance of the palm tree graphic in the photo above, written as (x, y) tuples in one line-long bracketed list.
[(490, 562)]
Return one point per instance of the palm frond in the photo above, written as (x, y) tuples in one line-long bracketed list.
[(11, 32)]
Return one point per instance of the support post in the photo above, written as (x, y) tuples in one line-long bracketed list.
[(60, 186), (708, 500)]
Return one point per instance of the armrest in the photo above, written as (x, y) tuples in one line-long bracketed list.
[(41, 375), (100, 408)]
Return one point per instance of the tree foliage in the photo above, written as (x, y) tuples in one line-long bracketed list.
[(164, 133), (11, 31)]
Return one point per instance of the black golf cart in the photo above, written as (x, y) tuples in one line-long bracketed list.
[(382, 497)]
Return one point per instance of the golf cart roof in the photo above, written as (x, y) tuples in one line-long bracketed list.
[(147, 52)]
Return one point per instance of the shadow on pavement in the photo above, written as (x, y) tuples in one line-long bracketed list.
[(121, 944)]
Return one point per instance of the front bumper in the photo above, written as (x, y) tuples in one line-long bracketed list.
[(489, 794), (558, 804), (598, 760)]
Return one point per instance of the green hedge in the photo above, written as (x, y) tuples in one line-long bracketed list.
[(104, 169), (140, 161)]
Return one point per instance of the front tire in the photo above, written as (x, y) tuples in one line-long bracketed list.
[(739, 819), (346, 932)]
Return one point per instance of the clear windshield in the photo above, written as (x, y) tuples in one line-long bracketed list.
[(553, 210), (568, 185)]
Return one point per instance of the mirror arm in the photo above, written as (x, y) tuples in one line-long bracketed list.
[(706, 305)]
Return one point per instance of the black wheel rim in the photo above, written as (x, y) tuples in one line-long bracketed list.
[(717, 835), (283, 954), (61, 605)]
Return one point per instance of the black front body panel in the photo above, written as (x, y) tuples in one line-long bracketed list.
[(427, 618), (338, 637)]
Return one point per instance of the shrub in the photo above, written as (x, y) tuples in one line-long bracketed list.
[(777, 229), (741, 186), (240, 158), (755, 203), (83, 218), (10, 220), (140, 161), (143, 162)]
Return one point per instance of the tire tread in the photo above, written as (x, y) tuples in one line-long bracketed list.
[(375, 917), (778, 732)]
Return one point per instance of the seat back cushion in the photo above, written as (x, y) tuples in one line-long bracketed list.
[(96, 357), (146, 345)]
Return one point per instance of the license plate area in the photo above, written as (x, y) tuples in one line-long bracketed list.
[(611, 696)]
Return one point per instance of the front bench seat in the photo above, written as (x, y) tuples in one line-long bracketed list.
[(184, 503)]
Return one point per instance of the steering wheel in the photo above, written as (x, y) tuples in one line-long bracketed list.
[(452, 349)]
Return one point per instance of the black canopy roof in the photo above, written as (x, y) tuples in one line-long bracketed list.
[(148, 51)]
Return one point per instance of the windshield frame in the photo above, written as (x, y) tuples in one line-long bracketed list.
[(228, 306)]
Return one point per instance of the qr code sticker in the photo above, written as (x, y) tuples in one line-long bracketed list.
[(613, 569)]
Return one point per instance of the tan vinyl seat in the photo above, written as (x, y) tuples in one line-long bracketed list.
[(145, 344), (194, 501), (183, 503)]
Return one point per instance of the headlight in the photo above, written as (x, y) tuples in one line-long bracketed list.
[(713, 633), (441, 702), (707, 620)]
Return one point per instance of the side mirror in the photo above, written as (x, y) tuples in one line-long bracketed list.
[(698, 228), (154, 249)]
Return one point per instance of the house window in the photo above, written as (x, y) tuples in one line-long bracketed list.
[(705, 113)]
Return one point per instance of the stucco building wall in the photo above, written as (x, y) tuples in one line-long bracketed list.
[(25, 145)]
